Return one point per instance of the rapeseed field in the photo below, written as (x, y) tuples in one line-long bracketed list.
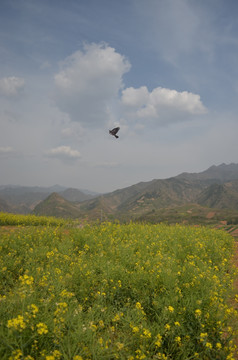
[(30, 220), (112, 291)]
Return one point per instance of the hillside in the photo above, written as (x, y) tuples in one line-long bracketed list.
[(112, 201), (75, 195), (218, 174), (161, 194), (191, 214), (4, 207), (55, 205), (23, 199), (220, 196), (214, 188), (142, 198)]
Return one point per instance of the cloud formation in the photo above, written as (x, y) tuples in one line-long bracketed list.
[(63, 153), (89, 88), (11, 86), (4, 151), (161, 104), (88, 83)]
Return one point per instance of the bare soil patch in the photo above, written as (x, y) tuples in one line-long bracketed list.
[(210, 215)]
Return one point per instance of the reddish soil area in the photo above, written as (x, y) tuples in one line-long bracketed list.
[(210, 215), (235, 234)]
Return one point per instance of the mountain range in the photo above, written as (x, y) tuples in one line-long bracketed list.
[(23, 199), (184, 194), (186, 188)]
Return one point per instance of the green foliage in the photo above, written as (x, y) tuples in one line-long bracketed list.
[(114, 291)]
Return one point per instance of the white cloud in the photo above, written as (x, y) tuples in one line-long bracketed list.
[(6, 150), (88, 83), (64, 153), (161, 104), (135, 97), (11, 86)]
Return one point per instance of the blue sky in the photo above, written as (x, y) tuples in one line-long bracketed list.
[(165, 71)]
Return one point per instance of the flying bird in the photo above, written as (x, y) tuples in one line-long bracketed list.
[(114, 132)]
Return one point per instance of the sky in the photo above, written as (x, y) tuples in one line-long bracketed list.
[(165, 71)]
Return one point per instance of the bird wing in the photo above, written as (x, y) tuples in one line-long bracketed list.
[(115, 130)]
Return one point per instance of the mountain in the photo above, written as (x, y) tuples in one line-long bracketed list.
[(136, 200), (56, 205), (218, 174), (75, 195), (23, 199), (216, 187), (220, 196), (4, 207)]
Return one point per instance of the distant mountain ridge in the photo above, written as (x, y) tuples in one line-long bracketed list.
[(216, 187), (156, 194), (23, 199), (222, 173)]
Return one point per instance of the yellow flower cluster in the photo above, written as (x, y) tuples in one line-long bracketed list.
[(42, 328), (26, 279), (17, 323)]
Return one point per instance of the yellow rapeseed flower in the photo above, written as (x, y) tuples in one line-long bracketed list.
[(146, 333), (17, 323), (93, 326), (66, 294), (26, 280), (135, 329), (119, 346), (158, 342), (203, 336), (57, 354), (42, 328), (138, 306), (100, 341), (101, 323), (117, 317), (198, 313), (16, 355)]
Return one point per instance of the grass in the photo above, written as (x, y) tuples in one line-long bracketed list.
[(115, 291)]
